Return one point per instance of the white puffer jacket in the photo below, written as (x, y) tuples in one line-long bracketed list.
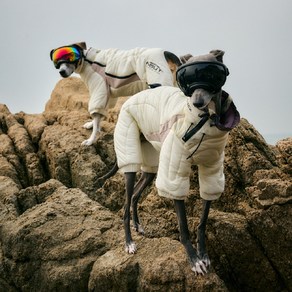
[(112, 68), (163, 115)]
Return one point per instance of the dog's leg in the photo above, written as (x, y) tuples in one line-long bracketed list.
[(130, 182), (141, 185), (201, 244), (95, 130), (197, 265)]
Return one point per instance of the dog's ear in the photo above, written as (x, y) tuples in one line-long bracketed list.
[(218, 54), (82, 45), (51, 54), (185, 58)]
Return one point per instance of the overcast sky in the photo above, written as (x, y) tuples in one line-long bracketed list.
[(256, 36)]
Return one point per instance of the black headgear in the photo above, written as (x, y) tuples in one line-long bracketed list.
[(210, 76)]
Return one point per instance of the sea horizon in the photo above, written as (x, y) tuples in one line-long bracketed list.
[(272, 139)]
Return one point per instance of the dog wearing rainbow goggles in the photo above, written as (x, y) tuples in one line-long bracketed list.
[(112, 73), (166, 130)]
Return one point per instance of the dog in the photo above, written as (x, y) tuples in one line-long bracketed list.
[(165, 131), (112, 73)]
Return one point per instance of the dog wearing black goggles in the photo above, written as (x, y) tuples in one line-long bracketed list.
[(180, 127), (111, 73), (202, 78)]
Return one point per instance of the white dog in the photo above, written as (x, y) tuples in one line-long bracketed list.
[(112, 73), (167, 130)]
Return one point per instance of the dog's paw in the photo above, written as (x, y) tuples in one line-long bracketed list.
[(205, 259), (139, 228), (87, 142), (131, 247), (88, 125), (200, 268)]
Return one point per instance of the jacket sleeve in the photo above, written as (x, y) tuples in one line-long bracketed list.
[(212, 179), (98, 91)]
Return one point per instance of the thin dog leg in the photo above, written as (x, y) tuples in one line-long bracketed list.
[(201, 231), (145, 180), (95, 129), (130, 181), (197, 264)]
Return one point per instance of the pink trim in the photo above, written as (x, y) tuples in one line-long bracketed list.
[(163, 130)]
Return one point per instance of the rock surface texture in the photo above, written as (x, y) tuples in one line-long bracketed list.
[(60, 231)]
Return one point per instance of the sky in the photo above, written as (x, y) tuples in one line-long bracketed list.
[(256, 36)]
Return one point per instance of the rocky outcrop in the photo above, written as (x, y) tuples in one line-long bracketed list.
[(60, 231)]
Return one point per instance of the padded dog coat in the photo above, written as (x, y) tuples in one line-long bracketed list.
[(116, 68), (148, 136)]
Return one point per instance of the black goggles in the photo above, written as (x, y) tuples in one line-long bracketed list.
[(210, 76)]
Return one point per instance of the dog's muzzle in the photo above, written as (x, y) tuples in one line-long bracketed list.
[(201, 98), (66, 69)]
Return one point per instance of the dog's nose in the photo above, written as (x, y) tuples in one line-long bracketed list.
[(63, 73), (198, 104)]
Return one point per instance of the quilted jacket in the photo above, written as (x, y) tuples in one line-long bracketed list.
[(148, 136), (109, 69)]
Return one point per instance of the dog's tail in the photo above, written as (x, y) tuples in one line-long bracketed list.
[(101, 180)]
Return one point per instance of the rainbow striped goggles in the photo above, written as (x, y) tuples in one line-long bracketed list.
[(67, 54)]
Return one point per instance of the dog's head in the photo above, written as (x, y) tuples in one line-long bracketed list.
[(202, 77), (68, 58)]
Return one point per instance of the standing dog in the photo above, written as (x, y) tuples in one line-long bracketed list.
[(165, 131), (112, 73)]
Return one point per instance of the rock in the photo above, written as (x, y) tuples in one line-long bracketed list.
[(272, 229), (66, 160), (159, 265), (8, 199), (285, 154), (25, 150), (269, 192), (35, 125), (237, 256), (61, 231), (69, 94), (56, 242), (31, 196)]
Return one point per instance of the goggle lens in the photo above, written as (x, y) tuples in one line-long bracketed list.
[(208, 75), (65, 54)]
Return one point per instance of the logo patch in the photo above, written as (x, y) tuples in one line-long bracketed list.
[(153, 67)]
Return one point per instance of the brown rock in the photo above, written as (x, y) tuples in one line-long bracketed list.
[(285, 148), (69, 94), (35, 125), (272, 229), (8, 200), (56, 243), (159, 265), (236, 255)]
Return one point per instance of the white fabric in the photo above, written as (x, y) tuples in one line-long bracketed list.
[(112, 66), (149, 64), (98, 90), (163, 115)]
